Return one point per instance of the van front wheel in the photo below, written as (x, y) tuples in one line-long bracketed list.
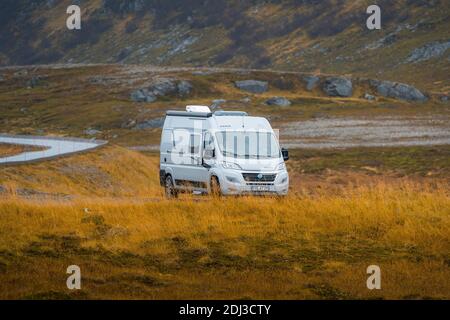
[(215, 186), (169, 188)]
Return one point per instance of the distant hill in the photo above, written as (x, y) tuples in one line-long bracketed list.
[(327, 36)]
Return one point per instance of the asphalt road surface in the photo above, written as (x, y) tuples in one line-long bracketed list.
[(54, 147)]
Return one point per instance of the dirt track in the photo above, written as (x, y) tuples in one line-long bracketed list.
[(373, 132)]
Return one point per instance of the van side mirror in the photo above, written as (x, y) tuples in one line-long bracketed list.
[(285, 154), (208, 154)]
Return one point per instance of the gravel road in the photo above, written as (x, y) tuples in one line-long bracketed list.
[(373, 132)]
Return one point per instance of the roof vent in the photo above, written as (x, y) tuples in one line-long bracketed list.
[(197, 109)]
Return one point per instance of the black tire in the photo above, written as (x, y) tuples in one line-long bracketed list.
[(169, 188), (215, 187)]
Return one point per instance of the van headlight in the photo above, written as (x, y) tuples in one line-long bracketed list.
[(232, 179), (280, 167), (231, 165)]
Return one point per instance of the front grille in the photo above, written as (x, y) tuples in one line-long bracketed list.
[(258, 177), (260, 183)]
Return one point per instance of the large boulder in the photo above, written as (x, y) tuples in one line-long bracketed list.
[(163, 87), (184, 88), (142, 95), (253, 86), (160, 88), (278, 101), (398, 90), (311, 82), (338, 87)]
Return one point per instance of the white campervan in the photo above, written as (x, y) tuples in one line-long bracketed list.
[(225, 152)]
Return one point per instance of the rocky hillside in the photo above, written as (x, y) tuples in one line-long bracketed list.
[(326, 36), (125, 104)]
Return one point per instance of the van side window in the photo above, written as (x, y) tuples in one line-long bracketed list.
[(194, 143), (167, 140), (181, 140), (208, 142)]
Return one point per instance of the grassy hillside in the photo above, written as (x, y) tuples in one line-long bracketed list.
[(111, 171), (310, 36)]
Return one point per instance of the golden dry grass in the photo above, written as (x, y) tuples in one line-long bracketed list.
[(111, 171), (132, 243), (7, 150), (298, 247)]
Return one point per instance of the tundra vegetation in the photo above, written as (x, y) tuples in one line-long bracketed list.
[(7, 150), (105, 211)]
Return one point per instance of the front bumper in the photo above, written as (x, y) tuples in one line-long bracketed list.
[(233, 183)]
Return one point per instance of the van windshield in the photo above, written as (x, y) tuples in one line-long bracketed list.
[(248, 144)]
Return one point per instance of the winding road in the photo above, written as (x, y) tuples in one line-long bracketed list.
[(54, 147)]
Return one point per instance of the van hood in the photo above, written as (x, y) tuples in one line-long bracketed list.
[(256, 164)]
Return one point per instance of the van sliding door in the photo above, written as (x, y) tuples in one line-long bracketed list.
[(198, 174), (187, 164)]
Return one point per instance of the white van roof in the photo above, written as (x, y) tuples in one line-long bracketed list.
[(226, 120), (242, 123)]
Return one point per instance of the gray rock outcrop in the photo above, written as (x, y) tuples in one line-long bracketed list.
[(398, 90), (184, 88), (311, 82), (142, 95), (278, 101), (253, 86), (160, 88), (338, 87), (428, 51)]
